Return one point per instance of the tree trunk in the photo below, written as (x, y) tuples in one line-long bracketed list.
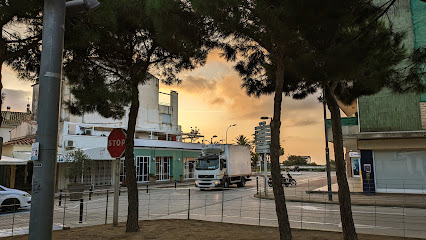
[(280, 205), (132, 188), (1, 91), (348, 226)]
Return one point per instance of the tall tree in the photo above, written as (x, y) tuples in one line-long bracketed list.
[(350, 55), (263, 40), (110, 54), (20, 25)]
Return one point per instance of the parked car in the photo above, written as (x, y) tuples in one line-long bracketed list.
[(13, 199)]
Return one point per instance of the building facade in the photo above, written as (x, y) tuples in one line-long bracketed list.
[(385, 137)]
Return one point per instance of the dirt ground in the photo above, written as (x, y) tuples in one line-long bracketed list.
[(194, 229)]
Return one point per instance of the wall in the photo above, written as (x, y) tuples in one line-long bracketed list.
[(177, 155), (23, 129), (5, 133), (387, 111)]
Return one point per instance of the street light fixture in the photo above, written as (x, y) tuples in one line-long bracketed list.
[(211, 139), (233, 125)]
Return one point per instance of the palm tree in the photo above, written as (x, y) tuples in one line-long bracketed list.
[(243, 140)]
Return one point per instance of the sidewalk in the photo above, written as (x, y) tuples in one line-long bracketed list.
[(142, 186), (320, 195)]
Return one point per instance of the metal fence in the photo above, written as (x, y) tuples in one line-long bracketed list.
[(314, 211)]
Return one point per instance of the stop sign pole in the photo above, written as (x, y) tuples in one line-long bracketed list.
[(116, 147)]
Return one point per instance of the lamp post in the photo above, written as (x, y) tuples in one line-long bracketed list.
[(226, 138), (327, 151), (211, 139), (43, 186)]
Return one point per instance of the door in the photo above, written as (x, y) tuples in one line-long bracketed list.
[(189, 164), (162, 168), (142, 168), (355, 167)]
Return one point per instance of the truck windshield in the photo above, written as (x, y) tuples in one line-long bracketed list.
[(207, 163)]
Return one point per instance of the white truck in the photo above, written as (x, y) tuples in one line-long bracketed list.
[(221, 165)]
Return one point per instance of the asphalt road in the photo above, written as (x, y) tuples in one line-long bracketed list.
[(234, 205)]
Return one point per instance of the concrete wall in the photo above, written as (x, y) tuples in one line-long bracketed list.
[(24, 129), (5, 133)]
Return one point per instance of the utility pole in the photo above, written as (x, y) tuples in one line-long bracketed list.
[(327, 151), (43, 184), (41, 216), (265, 166)]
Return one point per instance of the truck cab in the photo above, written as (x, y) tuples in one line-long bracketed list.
[(213, 168)]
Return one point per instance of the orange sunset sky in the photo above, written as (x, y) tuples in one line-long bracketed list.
[(211, 99)]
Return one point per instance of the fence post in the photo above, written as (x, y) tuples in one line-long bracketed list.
[(241, 205), (375, 214), (205, 206), (106, 207), (168, 206), (65, 207), (149, 199), (80, 219), (13, 218), (60, 197), (223, 195), (189, 202), (301, 212), (260, 204)]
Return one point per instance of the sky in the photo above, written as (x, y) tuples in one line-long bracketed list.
[(211, 99)]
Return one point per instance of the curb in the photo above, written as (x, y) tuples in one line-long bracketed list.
[(354, 203)]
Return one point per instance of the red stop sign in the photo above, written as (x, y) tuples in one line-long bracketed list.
[(117, 143)]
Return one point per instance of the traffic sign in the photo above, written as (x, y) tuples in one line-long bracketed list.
[(117, 143)]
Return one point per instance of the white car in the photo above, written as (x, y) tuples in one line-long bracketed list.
[(13, 199)]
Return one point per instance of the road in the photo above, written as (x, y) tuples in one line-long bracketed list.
[(238, 206)]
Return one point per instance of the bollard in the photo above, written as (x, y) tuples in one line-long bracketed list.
[(257, 185), (147, 188), (91, 191), (189, 201), (80, 220), (175, 184), (119, 191), (60, 197)]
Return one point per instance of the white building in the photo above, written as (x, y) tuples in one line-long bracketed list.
[(157, 120)]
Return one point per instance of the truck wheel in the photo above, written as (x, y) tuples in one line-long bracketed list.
[(226, 183), (242, 183)]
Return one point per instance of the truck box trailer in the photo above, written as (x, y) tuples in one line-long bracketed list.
[(221, 165)]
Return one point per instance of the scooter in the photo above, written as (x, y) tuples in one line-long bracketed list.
[(290, 181)]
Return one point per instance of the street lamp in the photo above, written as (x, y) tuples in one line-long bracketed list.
[(233, 125), (43, 185), (211, 139)]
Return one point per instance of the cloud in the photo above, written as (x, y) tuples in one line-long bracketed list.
[(194, 85), (301, 122), (16, 99)]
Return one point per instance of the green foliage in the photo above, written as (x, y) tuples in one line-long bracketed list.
[(294, 160), (116, 47), (77, 164), (243, 140)]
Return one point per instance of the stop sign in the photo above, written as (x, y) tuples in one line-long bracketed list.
[(117, 143)]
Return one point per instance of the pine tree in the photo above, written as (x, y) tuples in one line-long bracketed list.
[(112, 52), (20, 25)]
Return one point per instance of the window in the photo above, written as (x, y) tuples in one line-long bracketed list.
[(162, 168), (167, 118)]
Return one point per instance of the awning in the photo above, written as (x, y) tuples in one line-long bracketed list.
[(7, 161)]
